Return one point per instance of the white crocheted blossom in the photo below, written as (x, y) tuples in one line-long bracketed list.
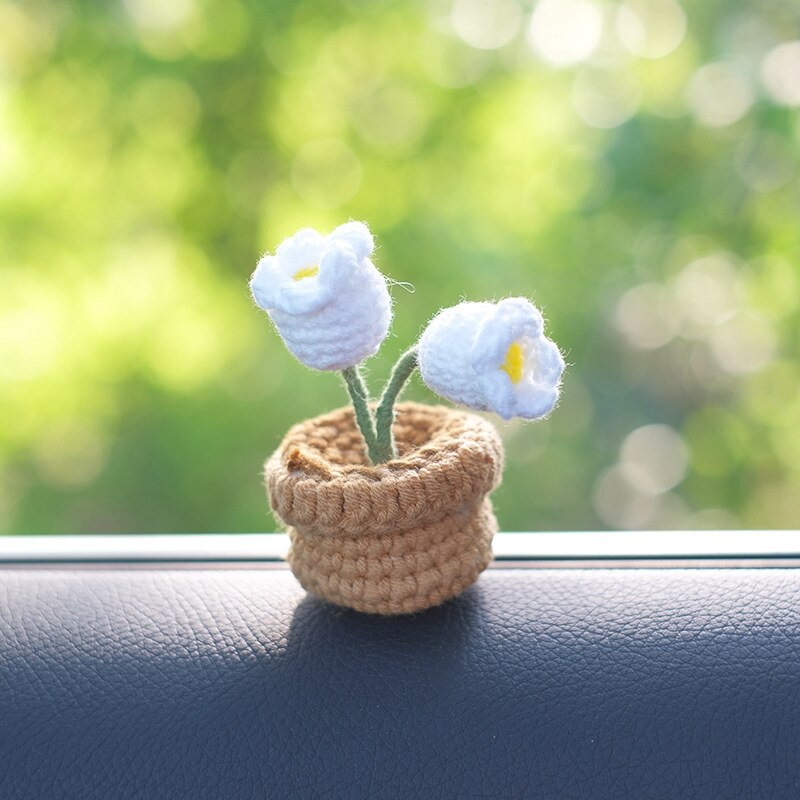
[(327, 300), (492, 357)]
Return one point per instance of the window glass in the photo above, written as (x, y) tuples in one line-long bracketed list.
[(630, 166)]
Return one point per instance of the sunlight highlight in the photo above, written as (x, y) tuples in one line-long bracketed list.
[(719, 94), (486, 26), (780, 71), (651, 28), (565, 32)]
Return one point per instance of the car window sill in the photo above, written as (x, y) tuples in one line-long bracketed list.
[(604, 549)]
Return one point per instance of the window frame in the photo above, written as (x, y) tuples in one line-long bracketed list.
[(669, 548)]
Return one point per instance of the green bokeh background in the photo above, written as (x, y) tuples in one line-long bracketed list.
[(632, 168)]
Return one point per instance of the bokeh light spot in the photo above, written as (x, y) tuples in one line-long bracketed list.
[(647, 317), (450, 65), (158, 14), (719, 95), (605, 98), (621, 505), (651, 28), (707, 293), (780, 72), (486, 25), (743, 344), (29, 339), (565, 32), (765, 161), (654, 458)]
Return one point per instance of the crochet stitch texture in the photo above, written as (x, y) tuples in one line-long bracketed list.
[(492, 357), (394, 538), (326, 298)]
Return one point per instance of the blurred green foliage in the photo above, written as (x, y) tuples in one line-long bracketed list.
[(632, 167)]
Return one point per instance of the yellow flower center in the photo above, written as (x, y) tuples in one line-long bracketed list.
[(514, 365), (306, 272)]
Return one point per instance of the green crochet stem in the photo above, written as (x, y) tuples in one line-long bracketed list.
[(384, 415), (377, 432), (360, 398)]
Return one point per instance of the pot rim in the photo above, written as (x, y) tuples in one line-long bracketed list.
[(453, 470)]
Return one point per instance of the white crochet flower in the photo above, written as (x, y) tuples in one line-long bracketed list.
[(328, 301), (492, 357)]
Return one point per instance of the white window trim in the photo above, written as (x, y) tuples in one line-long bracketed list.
[(507, 546)]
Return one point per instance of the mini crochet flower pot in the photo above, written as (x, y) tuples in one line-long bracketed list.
[(394, 538)]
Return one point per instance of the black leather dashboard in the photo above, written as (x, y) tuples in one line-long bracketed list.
[(199, 682)]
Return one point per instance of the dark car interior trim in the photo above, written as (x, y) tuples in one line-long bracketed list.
[(575, 668)]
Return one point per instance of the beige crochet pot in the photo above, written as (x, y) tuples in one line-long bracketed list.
[(394, 538)]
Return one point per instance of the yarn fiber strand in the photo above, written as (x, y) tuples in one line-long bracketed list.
[(392, 538), (359, 396), (384, 415)]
